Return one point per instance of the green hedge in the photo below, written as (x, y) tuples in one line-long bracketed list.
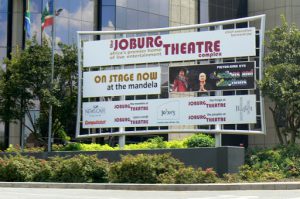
[(131, 169), (280, 163), (143, 168), (196, 140)]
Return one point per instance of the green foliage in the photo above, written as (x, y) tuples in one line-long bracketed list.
[(271, 164), (27, 79), (83, 147), (17, 149), (153, 143), (251, 174), (175, 144), (281, 81), (81, 168), (199, 140), (59, 130), (189, 175), (20, 168), (143, 168)]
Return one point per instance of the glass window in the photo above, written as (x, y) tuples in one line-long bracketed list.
[(74, 26), (132, 19), (88, 10), (154, 6), (154, 21), (164, 7), (143, 19), (122, 3), (3, 29), (143, 5), (204, 17), (121, 17), (3, 5), (36, 26), (87, 26), (35, 6), (75, 9), (108, 2), (64, 4), (62, 29), (108, 18), (2, 55), (132, 4), (163, 22)]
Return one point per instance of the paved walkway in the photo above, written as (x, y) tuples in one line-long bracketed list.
[(159, 187), (30, 193)]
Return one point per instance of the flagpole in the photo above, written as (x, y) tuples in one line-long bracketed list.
[(52, 77)]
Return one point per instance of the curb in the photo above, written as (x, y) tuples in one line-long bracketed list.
[(157, 187)]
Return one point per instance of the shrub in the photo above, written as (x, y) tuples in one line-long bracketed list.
[(229, 177), (72, 147), (152, 143), (143, 168), (22, 169), (252, 174), (175, 144), (248, 174), (207, 176), (189, 175), (80, 168), (182, 176), (199, 140), (43, 171)]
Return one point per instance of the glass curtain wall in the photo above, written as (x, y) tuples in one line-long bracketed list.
[(218, 10), (3, 29), (76, 15), (134, 14)]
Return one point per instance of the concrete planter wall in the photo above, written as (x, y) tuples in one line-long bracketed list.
[(222, 159)]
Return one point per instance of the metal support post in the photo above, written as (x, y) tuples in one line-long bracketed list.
[(122, 140)]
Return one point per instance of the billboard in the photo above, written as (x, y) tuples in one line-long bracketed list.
[(138, 81), (202, 78), (171, 111), (171, 47)]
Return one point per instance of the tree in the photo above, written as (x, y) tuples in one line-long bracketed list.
[(281, 82), (25, 84), (65, 91)]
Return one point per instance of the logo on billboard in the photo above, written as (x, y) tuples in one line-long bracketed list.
[(168, 111), (95, 111), (244, 108)]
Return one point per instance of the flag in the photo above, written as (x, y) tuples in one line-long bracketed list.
[(47, 15), (27, 22)]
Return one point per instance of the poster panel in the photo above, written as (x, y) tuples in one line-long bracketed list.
[(138, 81), (202, 78), (172, 111), (171, 47)]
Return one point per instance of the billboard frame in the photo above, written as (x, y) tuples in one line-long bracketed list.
[(217, 25)]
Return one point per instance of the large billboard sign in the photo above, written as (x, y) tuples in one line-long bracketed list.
[(139, 81), (172, 111), (203, 78), (170, 47)]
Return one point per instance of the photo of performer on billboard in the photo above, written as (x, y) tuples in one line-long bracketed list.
[(203, 85), (181, 82)]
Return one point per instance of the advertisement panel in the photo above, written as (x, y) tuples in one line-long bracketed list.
[(138, 81), (172, 111), (171, 47), (202, 78)]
